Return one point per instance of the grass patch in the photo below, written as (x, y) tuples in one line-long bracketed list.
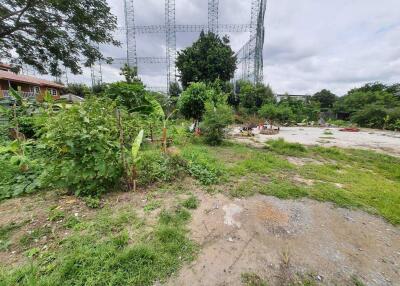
[(244, 189), (33, 236), (282, 147), (5, 234), (252, 279), (113, 249), (284, 190), (191, 203), (152, 205)]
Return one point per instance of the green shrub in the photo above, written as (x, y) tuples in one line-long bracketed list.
[(202, 167), (82, 148), (154, 166), (216, 119)]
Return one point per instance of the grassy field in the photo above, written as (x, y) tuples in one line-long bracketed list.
[(349, 178)]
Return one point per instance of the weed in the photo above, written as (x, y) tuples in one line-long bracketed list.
[(5, 234), (71, 222), (279, 146), (283, 190), (55, 214), (356, 281), (92, 202), (191, 203), (151, 206), (252, 279), (101, 256), (202, 166), (33, 236), (244, 189)]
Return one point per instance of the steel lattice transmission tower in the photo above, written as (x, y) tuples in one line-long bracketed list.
[(130, 30), (251, 54), (170, 35), (213, 16)]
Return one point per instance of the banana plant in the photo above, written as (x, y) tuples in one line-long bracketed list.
[(159, 113), (134, 154)]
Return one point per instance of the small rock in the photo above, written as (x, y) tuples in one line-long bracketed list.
[(76, 214), (319, 278), (230, 239)]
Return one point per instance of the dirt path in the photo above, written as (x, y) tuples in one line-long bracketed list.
[(377, 140), (282, 239)]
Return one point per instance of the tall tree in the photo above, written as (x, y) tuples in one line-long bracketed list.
[(208, 59), (326, 98), (48, 34)]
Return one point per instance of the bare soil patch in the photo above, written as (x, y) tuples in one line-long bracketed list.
[(277, 239)]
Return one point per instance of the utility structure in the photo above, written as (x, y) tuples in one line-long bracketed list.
[(250, 56)]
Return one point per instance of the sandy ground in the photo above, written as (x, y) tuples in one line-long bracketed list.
[(378, 140), (281, 239)]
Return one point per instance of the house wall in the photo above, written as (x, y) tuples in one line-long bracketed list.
[(4, 85)]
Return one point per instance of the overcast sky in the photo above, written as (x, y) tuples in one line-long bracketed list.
[(309, 44)]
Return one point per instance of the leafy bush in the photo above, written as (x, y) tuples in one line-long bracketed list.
[(216, 119), (20, 168), (130, 95), (203, 167), (155, 166), (191, 103), (82, 148)]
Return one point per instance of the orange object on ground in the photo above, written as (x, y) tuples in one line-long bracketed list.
[(350, 129)]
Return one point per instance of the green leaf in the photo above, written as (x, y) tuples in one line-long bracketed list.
[(136, 145), (157, 109), (15, 94)]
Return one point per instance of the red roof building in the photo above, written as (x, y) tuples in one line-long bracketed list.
[(29, 86)]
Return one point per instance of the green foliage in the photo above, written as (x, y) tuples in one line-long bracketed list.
[(50, 35), (130, 74), (208, 59), (92, 202), (78, 89), (152, 205), (20, 166), (285, 148), (5, 234), (174, 90), (56, 214), (373, 105), (202, 166), (325, 98), (191, 203), (156, 166), (215, 120), (104, 253), (276, 113), (253, 96), (130, 95), (82, 148), (191, 103)]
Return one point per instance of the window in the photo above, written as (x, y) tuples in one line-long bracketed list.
[(35, 89), (53, 91)]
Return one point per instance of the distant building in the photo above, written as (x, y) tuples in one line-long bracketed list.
[(302, 97), (30, 87)]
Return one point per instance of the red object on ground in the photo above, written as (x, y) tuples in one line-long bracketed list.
[(349, 129)]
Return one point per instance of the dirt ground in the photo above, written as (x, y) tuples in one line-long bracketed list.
[(280, 240), (378, 140)]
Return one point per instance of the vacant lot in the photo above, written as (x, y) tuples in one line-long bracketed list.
[(369, 139), (284, 214)]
